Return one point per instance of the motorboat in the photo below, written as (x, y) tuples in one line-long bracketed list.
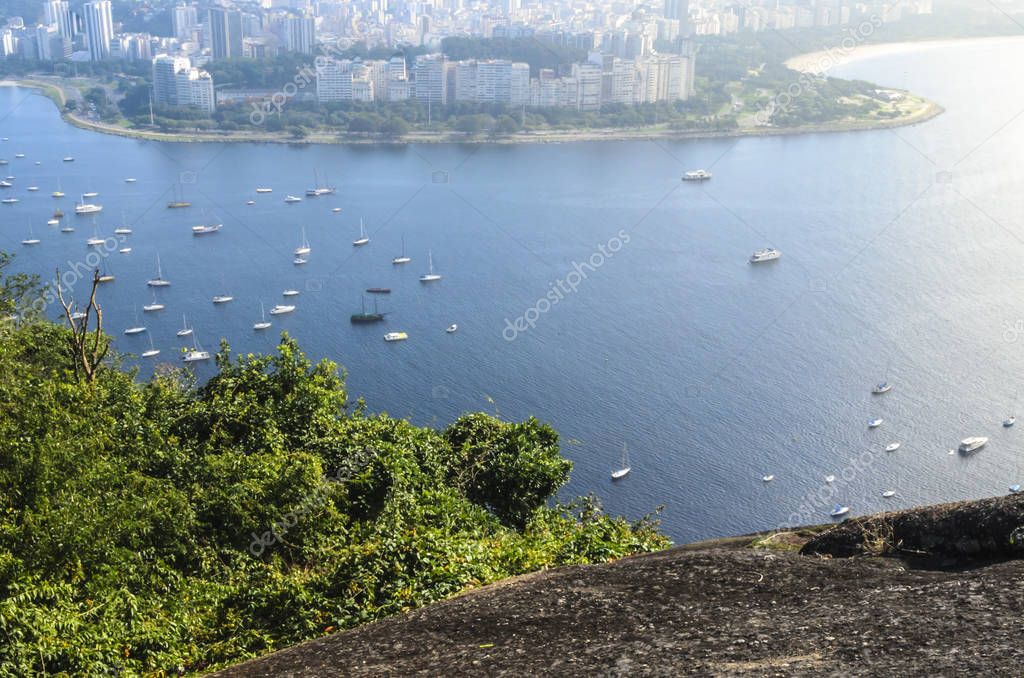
[(452, 329), (281, 309), (290, 293), (839, 510), (876, 422), (396, 336), (767, 254), (883, 387), (972, 444), (768, 478), (1007, 423), (697, 175), (892, 447)]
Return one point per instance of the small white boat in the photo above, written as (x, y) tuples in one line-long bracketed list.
[(290, 293), (53, 222), (197, 353), (883, 387), (281, 309), (892, 447), (19, 155), (185, 329), (78, 315), (4, 183), (122, 230), (125, 250), (129, 180), (402, 259), (830, 479), (299, 261), (135, 330), (972, 444), (452, 329), (90, 194), (766, 254), (697, 175), (31, 239), (67, 229), (430, 276), (1009, 422), (9, 201), (768, 478), (155, 306), (158, 281), (396, 336), (336, 210), (624, 468), (203, 229), (303, 248), (250, 202), (94, 241), (87, 208), (291, 199), (68, 158), (1014, 489), (153, 351), (264, 190), (889, 493), (32, 189), (223, 298), (262, 324), (876, 422), (362, 239), (839, 510)]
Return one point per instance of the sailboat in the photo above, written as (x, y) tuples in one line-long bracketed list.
[(31, 239), (158, 281), (317, 189), (363, 317), (106, 276), (430, 276), (58, 193), (303, 247), (136, 328), (402, 259), (625, 468), (362, 239), (196, 354), (179, 200), (84, 207), (95, 240), (206, 227), (90, 194), (155, 306), (153, 351), (185, 329), (222, 298), (262, 324), (123, 228)]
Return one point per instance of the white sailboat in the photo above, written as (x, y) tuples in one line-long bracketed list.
[(158, 281), (153, 351), (31, 239), (84, 207), (154, 306), (303, 247), (362, 239), (262, 324), (136, 328), (430, 276), (95, 240), (222, 298), (402, 259), (196, 353), (185, 329), (625, 468), (123, 228)]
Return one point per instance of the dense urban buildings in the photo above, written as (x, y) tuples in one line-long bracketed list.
[(636, 54)]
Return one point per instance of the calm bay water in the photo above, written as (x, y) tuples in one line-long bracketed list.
[(901, 260)]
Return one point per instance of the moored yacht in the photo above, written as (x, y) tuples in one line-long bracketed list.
[(396, 336), (281, 309), (697, 175), (972, 444), (767, 254)]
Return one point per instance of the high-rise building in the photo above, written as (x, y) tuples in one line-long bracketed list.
[(399, 87), (99, 28), (177, 83), (680, 11), (184, 21), (57, 13), (6, 42), (430, 74), (165, 78), (225, 29), (300, 34), (589, 79)]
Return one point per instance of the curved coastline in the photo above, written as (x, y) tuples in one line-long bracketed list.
[(810, 63)]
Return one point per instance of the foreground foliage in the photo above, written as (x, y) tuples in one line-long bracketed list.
[(166, 527)]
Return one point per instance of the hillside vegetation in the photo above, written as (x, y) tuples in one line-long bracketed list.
[(167, 527)]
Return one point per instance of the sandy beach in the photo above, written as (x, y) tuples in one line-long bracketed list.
[(825, 60)]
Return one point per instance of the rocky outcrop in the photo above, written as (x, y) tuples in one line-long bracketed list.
[(946, 535), (720, 608)]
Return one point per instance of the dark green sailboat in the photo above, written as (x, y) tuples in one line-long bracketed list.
[(364, 317)]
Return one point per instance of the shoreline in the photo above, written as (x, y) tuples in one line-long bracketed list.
[(806, 63), (822, 61)]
